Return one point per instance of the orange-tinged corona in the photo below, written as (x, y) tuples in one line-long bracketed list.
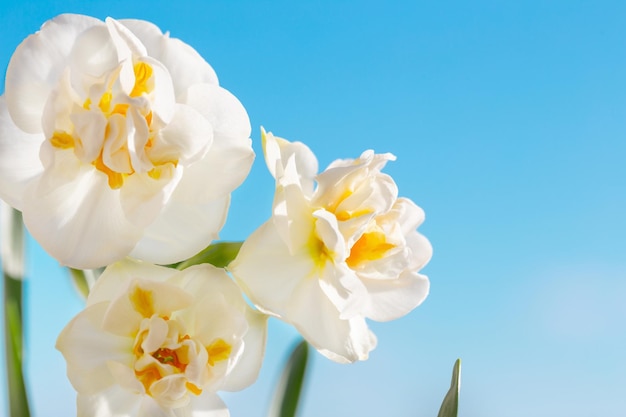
[(370, 247)]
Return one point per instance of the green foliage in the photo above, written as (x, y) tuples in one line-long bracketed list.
[(450, 405), (289, 388), (218, 254), (13, 271)]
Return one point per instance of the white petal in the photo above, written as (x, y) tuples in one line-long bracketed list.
[(37, 65), (122, 34), (207, 405), (114, 402), (90, 128), (185, 139), (219, 310), (19, 158), (249, 363), (317, 319), (94, 54), (74, 214), (150, 408), (125, 377), (185, 65), (230, 157), (181, 231), (291, 210), (267, 272), (327, 230), (143, 197), (87, 349), (225, 112), (163, 103), (394, 298), (116, 277), (124, 318), (220, 172), (279, 151)]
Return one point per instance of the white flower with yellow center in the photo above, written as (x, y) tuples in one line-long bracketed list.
[(155, 342), (334, 254), (117, 140)]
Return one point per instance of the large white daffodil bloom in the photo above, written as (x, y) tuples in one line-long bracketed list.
[(334, 254), (157, 342), (117, 140)]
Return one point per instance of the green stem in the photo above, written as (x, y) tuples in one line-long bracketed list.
[(13, 271)]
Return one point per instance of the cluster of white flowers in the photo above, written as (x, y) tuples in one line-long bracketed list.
[(121, 150)]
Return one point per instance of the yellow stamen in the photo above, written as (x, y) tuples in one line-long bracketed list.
[(105, 102), (319, 252), (148, 376), (142, 301), (218, 351), (116, 179), (120, 109), (143, 73), (191, 387), (62, 140)]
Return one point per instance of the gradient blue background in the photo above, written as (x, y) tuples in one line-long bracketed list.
[(509, 122)]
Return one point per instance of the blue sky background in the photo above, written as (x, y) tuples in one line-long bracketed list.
[(508, 119)]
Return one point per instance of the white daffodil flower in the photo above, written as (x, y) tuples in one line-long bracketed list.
[(157, 342), (334, 254), (117, 140)]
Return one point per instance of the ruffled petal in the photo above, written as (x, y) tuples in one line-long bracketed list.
[(248, 365), (19, 158), (205, 405), (114, 402), (291, 210), (230, 157), (87, 349), (267, 272), (115, 279), (185, 139), (143, 196), (393, 298), (74, 214), (37, 65), (317, 319), (279, 151), (220, 107), (181, 230), (183, 62)]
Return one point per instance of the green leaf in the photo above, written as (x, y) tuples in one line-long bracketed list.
[(289, 388), (83, 279), (12, 249), (218, 254), (450, 405)]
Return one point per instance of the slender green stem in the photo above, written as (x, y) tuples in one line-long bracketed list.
[(13, 271)]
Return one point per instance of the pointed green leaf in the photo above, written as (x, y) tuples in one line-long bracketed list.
[(12, 250), (217, 254), (450, 405), (289, 388)]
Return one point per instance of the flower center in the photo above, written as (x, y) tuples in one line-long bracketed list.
[(167, 360), (113, 130)]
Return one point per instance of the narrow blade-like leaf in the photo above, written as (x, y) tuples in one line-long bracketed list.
[(289, 388), (450, 405), (12, 250)]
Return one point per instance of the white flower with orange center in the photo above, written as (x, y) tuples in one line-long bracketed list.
[(336, 253), (117, 140), (154, 341)]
